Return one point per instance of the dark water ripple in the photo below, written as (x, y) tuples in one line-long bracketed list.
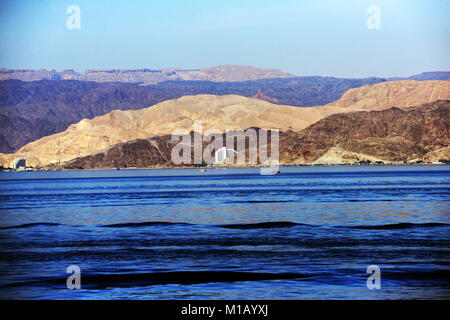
[(306, 233)]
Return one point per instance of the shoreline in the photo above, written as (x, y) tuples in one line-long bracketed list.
[(229, 167)]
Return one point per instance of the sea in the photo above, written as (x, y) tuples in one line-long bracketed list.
[(344, 232)]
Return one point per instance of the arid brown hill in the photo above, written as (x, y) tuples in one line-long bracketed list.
[(391, 135), (388, 135), (155, 152), (137, 153)]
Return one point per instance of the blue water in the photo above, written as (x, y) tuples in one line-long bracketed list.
[(306, 233)]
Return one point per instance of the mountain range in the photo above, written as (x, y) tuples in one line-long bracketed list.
[(391, 135), (225, 73), (31, 110), (34, 109), (221, 112)]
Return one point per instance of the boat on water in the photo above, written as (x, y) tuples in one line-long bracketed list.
[(269, 171)]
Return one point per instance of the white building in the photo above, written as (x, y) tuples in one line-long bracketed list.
[(222, 154), (18, 163)]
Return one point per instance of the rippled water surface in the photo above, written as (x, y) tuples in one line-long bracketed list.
[(306, 233)]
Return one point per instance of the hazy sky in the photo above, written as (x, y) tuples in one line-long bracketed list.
[(311, 37)]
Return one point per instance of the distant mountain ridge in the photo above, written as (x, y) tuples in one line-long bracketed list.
[(433, 75), (225, 73)]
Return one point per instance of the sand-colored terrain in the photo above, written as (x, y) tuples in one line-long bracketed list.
[(400, 94)]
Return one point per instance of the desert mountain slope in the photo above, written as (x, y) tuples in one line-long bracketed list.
[(390, 135), (215, 112), (393, 135), (398, 94)]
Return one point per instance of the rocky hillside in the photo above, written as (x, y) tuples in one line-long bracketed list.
[(137, 153), (392, 135)]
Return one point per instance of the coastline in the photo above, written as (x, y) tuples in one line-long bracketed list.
[(229, 167)]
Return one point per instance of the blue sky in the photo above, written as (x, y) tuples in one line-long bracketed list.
[(311, 37)]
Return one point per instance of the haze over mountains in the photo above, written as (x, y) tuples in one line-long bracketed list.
[(222, 113)]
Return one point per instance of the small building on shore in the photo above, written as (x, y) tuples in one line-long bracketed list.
[(18, 163)]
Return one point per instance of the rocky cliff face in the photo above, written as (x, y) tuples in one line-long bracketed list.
[(392, 135), (137, 153)]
